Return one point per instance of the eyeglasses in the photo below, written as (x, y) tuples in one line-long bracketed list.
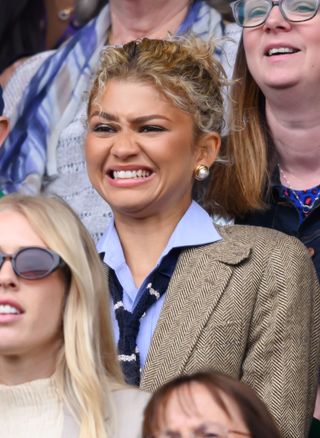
[(33, 262), (205, 430), (253, 13)]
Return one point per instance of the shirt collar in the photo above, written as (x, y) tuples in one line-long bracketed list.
[(194, 228)]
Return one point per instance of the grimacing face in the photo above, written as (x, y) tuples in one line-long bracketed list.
[(140, 150), (35, 332)]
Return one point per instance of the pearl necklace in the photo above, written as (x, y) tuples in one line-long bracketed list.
[(306, 209)]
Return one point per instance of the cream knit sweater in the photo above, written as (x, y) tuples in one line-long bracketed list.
[(31, 410)]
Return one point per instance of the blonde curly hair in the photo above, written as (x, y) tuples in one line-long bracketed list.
[(184, 69)]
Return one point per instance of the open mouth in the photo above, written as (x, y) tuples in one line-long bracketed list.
[(129, 174), (275, 51), (7, 309)]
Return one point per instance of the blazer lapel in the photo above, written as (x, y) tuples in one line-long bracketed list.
[(200, 278)]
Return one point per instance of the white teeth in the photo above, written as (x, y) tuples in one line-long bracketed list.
[(129, 174), (7, 309), (277, 50)]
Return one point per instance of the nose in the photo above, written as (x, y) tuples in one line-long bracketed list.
[(125, 146), (8, 278), (276, 20)]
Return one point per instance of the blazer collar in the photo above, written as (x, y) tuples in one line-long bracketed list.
[(200, 278)]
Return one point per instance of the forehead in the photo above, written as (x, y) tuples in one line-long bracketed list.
[(16, 231), (121, 90), (192, 404), (192, 407), (132, 98)]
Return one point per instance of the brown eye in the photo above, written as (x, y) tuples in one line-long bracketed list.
[(152, 128), (102, 127)]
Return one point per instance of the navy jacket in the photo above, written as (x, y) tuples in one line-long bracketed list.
[(283, 216)]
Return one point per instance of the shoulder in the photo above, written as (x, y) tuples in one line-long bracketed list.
[(268, 248), (262, 246), (131, 395), (229, 45), (129, 404), (232, 30), (257, 236), (20, 80)]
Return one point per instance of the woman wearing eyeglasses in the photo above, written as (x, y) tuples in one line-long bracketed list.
[(59, 375), (207, 405), (187, 295), (275, 121)]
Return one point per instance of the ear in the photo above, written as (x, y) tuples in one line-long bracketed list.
[(4, 129), (208, 146)]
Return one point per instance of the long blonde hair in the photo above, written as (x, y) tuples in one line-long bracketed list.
[(87, 367)]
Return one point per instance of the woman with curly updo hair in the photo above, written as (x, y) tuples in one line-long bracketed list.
[(47, 97), (186, 294)]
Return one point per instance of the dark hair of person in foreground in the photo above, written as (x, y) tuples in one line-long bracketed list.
[(226, 393)]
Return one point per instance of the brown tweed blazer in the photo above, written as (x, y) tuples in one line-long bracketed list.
[(248, 305)]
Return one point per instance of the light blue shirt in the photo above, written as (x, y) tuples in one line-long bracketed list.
[(194, 228)]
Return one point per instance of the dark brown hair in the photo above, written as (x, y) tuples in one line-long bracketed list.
[(246, 150), (253, 411)]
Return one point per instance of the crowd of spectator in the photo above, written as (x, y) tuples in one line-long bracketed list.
[(159, 219)]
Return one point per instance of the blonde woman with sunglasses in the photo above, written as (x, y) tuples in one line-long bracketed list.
[(59, 375)]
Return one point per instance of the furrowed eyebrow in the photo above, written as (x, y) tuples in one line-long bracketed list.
[(142, 119), (105, 116), (172, 434)]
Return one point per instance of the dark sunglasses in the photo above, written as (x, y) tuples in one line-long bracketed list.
[(33, 262)]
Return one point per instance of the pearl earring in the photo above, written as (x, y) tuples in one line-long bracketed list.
[(201, 172)]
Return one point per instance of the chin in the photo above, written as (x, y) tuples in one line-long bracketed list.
[(10, 349), (134, 211), (133, 204), (278, 84)]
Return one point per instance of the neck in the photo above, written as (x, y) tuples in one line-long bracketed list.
[(143, 241), (132, 20), (296, 136), (18, 369)]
